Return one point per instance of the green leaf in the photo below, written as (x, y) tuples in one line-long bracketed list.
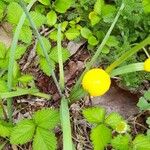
[(92, 40), (54, 54), (5, 129), (38, 18), (72, 33), (61, 6), (147, 95), (26, 78), (98, 6), (20, 50), (94, 114), (44, 139), (47, 46), (44, 66), (2, 50), (112, 41), (45, 2), (51, 18), (16, 69), (113, 119), (141, 142), (26, 34), (105, 50), (23, 132), (3, 86), (121, 142), (94, 18), (100, 136), (143, 104), (146, 5), (46, 118), (86, 33), (53, 35)]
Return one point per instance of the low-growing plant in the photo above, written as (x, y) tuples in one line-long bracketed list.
[(112, 130)]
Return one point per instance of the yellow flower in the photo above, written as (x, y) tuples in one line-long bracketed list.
[(96, 82), (147, 65)]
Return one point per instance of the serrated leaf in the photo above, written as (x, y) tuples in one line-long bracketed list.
[(23, 132), (44, 139), (51, 18), (44, 66), (121, 142), (2, 50), (25, 34), (86, 33), (141, 142), (5, 129), (46, 44), (94, 18), (46, 118), (61, 6), (72, 33), (98, 6), (94, 114), (92, 40), (45, 2), (54, 54), (25, 78), (143, 104), (100, 136), (3, 86), (113, 119), (112, 41), (20, 50), (38, 18), (53, 35)]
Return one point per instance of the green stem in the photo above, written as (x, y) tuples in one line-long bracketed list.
[(146, 52), (128, 54), (96, 55), (12, 58), (60, 59)]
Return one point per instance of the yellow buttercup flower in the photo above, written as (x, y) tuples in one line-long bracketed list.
[(96, 82), (147, 65)]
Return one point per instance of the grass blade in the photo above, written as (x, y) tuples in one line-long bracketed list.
[(12, 58), (128, 54), (66, 126), (60, 59), (128, 69)]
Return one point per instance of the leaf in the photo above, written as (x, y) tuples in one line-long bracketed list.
[(20, 50), (44, 139), (86, 33), (72, 33), (94, 114), (92, 40), (100, 136), (121, 142), (3, 86), (141, 142), (61, 6), (113, 119), (147, 95), (46, 44), (23, 132), (146, 5), (143, 104), (51, 18), (53, 35), (94, 18), (46, 118), (16, 69), (38, 18), (112, 41), (26, 34), (26, 78), (2, 50), (45, 2), (54, 54), (98, 6), (44, 66), (5, 129)]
